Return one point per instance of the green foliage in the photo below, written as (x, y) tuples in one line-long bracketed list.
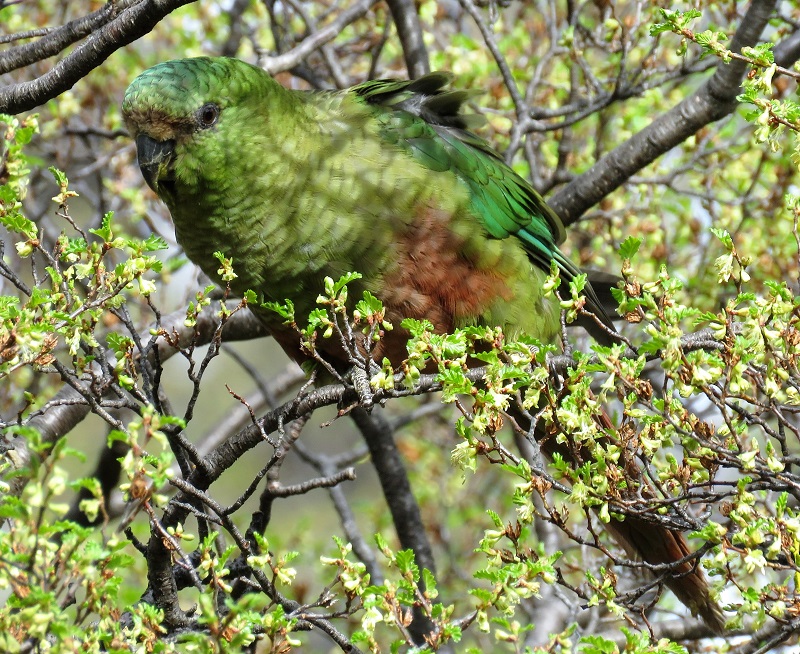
[(62, 580), (674, 21), (702, 403), (390, 604), (606, 482), (358, 334), (82, 279), (771, 116)]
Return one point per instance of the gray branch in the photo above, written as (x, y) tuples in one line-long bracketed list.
[(69, 407), (130, 24), (409, 31), (715, 99), (316, 40)]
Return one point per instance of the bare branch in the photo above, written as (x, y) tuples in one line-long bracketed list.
[(61, 415), (406, 19), (327, 467), (712, 101), (231, 45), (133, 23), (402, 504), (316, 40), (68, 407), (53, 41), (500, 60), (348, 474), (307, 619)]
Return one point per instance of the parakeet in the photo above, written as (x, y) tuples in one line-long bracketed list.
[(386, 179)]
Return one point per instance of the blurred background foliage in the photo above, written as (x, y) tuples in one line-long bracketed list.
[(561, 85)]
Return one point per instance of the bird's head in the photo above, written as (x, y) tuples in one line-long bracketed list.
[(179, 114)]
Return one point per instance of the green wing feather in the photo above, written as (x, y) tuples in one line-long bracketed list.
[(425, 117)]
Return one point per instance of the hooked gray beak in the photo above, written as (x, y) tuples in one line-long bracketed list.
[(155, 159)]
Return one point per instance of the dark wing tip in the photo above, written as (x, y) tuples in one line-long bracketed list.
[(431, 83), (427, 97)]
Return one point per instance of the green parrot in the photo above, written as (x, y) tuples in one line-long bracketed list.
[(385, 179)]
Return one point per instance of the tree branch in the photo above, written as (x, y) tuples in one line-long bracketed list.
[(409, 31), (328, 466), (712, 101), (675, 630), (401, 501), (68, 407), (54, 41), (133, 23), (314, 41)]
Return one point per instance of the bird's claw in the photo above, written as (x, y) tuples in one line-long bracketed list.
[(556, 366)]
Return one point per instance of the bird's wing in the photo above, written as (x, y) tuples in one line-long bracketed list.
[(425, 117)]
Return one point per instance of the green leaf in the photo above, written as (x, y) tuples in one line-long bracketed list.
[(60, 177), (724, 237), (153, 243), (406, 563), (285, 310), (369, 305), (104, 231), (629, 248)]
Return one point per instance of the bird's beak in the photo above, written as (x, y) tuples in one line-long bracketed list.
[(155, 159)]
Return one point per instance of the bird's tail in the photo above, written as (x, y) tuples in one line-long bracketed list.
[(600, 301), (658, 545), (646, 540)]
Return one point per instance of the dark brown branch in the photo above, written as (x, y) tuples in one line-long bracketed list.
[(327, 466), (236, 28), (222, 457), (348, 474), (675, 630), (768, 638), (68, 407), (409, 31), (55, 40), (290, 59), (712, 101), (787, 52), (63, 413), (499, 59), (22, 36), (161, 579), (306, 618), (133, 23), (401, 501), (107, 473)]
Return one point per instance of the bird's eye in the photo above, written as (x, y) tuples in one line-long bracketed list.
[(208, 115)]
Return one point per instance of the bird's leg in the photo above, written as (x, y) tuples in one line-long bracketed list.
[(556, 368)]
